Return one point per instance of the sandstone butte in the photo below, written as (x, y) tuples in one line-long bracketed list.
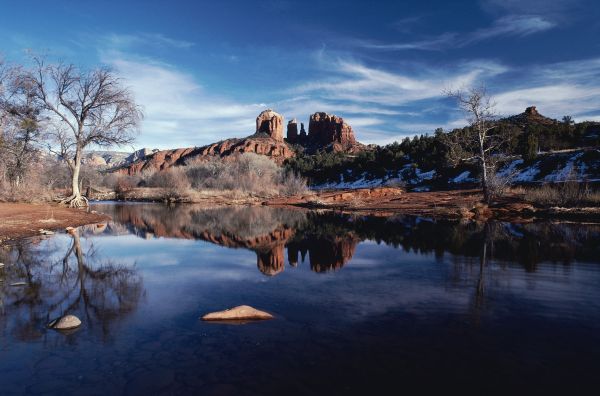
[(325, 132)]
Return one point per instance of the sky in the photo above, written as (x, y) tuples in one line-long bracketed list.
[(203, 70)]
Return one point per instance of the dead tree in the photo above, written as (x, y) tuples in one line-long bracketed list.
[(477, 141), (87, 108)]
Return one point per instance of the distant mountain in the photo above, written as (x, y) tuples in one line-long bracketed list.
[(112, 159)]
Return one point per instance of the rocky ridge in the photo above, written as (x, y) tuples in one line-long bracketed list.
[(326, 132)]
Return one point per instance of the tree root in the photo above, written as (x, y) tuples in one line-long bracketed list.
[(76, 201)]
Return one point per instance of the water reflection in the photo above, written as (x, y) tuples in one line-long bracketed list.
[(43, 279), (328, 240), (405, 300)]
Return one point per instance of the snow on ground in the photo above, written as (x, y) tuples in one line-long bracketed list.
[(510, 168), (567, 171), (359, 183), (424, 175), (462, 178)]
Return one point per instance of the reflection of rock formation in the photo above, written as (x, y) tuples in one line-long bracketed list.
[(324, 254), (328, 239)]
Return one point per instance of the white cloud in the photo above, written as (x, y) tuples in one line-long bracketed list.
[(361, 84), (178, 111), (552, 100)]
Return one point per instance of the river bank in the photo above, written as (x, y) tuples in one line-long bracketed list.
[(378, 201), (21, 220)]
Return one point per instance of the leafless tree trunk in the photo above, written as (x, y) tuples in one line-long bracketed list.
[(87, 108), (476, 142)]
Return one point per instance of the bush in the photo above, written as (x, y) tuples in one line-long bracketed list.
[(569, 193), (248, 172)]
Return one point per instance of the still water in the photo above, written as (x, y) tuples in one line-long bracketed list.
[(363, 305)]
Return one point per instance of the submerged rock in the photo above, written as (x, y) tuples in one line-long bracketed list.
[(46, 232), (65, 323), (242, 312), (18, 284)]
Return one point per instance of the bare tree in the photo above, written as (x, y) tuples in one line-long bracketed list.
[(87, 108), (478, 141)]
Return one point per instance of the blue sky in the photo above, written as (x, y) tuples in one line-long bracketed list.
[(203, 70)]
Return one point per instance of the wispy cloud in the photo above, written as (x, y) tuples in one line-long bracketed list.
[(359, 83), (511, 25), (121, 41), (178, 111)]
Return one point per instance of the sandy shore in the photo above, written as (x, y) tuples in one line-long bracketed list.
[(19, 220)]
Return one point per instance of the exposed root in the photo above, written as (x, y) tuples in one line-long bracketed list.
[(76, 201)]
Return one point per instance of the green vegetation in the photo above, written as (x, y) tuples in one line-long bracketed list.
[(428, 152)]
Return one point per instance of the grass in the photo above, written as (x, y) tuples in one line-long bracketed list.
[(567, 194)]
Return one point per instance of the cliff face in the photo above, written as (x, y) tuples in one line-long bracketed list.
[(270, 123), (325, 132)]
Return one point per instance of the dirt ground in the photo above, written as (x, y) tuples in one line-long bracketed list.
[(460, 204), (19, 220)]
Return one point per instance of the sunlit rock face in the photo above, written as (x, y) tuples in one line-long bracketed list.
[(325, 131), (271, 123)]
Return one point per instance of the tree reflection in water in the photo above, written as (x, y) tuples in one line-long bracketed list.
[(78, 282), (329, 239)]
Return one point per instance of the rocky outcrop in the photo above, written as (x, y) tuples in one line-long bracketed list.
[(276, 150), (271, 123), (325, 131), (158, 161), (530, 116), (292, 131)]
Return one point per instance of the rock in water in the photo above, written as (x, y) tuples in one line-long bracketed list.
[(243, 312), (65, 323)]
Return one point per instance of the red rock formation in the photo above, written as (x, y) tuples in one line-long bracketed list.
[(157, 161), (161, 160), (330, 131), (292, 131), (325, 132), (271, 123)]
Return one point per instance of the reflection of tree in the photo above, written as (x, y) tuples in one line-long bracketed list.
[(329, 239), (78, 283), (103, 292)]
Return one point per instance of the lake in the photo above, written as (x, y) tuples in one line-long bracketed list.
[(362, 304)]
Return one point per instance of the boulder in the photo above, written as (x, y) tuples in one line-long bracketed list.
[(242, 312), (66, 322), (271, 123)]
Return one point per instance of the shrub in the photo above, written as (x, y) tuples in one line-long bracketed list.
[(247, 172)]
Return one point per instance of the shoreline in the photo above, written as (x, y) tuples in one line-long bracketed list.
[(23, 220)]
